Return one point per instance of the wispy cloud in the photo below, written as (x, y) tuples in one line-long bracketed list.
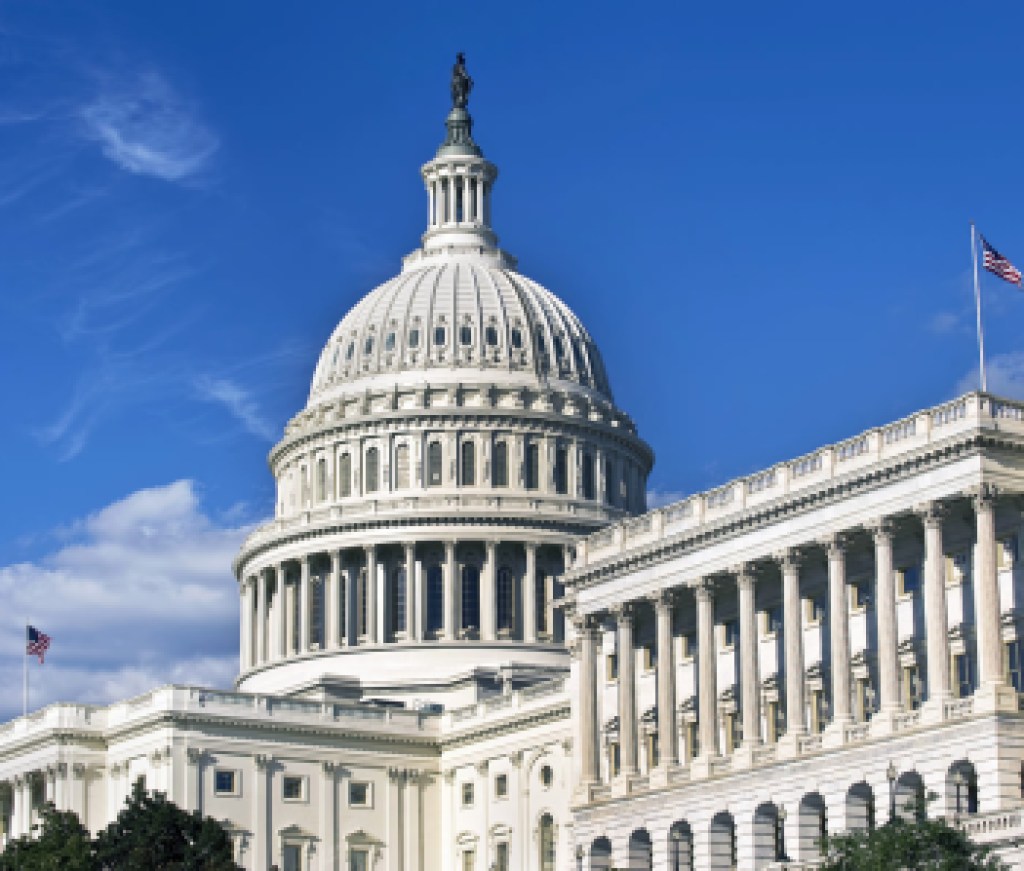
[(943, 323), (238, 402), (661, 498), (1004, 374), (137, 594), (146, 128)]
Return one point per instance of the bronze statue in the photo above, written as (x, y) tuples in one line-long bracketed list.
[(462, 84)]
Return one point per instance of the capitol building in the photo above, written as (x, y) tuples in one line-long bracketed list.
[(467, 645)]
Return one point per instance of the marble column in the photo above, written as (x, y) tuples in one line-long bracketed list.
[(750, 681), (627, 691), (304, 604), (793, 631), (370, 629), (707, 671), (666, 678), (885, 614), (487, 592), (986, 592), (281, 613), (412, 604), (262, 618), (530, 594), (936, 623), (352, 606), (450, 614), (246, 646), (332, 602), (839, 630), (588, 637)]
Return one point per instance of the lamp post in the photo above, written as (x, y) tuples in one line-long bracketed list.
[(890, 774), (958, 781), (780, 834)]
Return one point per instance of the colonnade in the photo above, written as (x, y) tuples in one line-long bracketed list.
[(786, 569), (22, 797), (405, 592)]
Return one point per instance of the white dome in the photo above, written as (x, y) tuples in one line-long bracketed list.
[(467, 313)]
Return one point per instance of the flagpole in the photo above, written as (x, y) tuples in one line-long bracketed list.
[(24, 660), (977, 305)]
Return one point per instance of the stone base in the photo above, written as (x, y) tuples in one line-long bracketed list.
[(835, 733), (995, 698), (789, 745)]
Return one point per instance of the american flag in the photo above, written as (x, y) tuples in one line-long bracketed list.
[(999, 265), (38, 643)]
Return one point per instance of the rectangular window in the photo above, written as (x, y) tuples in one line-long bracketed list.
[(911, 688), (540, 590), (359, 794), (501, 856), (650, 655), (499, 474), (731, 632), (501, 786), (225, 782), (531, 473), (561, 470), (345, 475), (612, 668), (293, 788), (434, 464), (963, 681), (469, 860), (774, 620), (1014, 669), (402, 467), (693, 739), (291, 855), (359, 860), (467, 795)]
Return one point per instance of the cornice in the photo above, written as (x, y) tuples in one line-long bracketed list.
[(561, 709)]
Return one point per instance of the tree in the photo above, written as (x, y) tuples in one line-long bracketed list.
[(63, 843), (918, 844), (152, 832)]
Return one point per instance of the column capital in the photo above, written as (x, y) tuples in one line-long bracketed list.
[(704, 589), (789, 559), (836, 544), (586, 623), (624, 612), (932, 513), (881, 529), (983, 496), (746, 576), (663, 599)]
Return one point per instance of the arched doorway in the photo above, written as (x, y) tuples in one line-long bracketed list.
[(910, 796), (961, 788), (601, 855), (769, 837), (640, 857), (722, 842), (860, 807), (680, 847), (813, 826)]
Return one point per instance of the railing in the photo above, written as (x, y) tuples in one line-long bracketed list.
[(906, 720), (958, 709), (997, 823)]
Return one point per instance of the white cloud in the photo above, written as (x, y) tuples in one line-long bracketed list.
[(661, 498), (239, 402), (147, 129), (1004, 374), (137, 594)]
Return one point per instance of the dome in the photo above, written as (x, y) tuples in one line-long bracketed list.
[(472, 314)]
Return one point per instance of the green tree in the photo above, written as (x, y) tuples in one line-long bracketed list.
[(154, 833), (63, 843), (901, 844)]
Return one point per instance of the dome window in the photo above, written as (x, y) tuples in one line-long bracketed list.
[(372, 471), (439, 336), (559, 349), (491, 336), (350, 350), (434, 464), (517, 338), (414, 338), (465, 335), (368, 346), (588, 477), (541, 347), (345, 475), (468, 464), (561, 470), (389, 342), (499, 476), (532, 471)]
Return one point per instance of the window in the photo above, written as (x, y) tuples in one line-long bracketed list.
[(291, 856), (439, 336), (613, 758), (546, 837), (359, 860), (609, 483), (470, 597), (588, 476), (773, 619), (501, 856), (649, 653), (547, 776), (909, 580), (321, 480), (963, 681), (467, 795), (225, 782), (540, 594), (911, 688), (293, 788), (517, 338), (372, 470), (532, 470), (506, 601), (402, 467), (316, 612), (414, 338), (345, 475), (469, 859), (465, 335), (501, 786), (559, 349), (389, 342), (359, 794), (368, 346), (350, 351), (693, 739), (500, 474), (561, 470), (1014, 665), (731, 632), (612, 666), (398, 600), (435, 599), (814, 611), (491, 335), (434, 464), (468, 463)]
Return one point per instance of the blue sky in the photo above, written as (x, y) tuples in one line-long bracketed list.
[(760, 211)]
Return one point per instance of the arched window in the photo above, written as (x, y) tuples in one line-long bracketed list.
[(344, 475), (321, 479), (517, 338), (434, 464), (439, 336), (532, 470), (561, 470), (368, 346), (398, 603), (402, 467), (499, 476), (435, 599), (389, 342), (470, 597), (414, 338), (506, 604), (468, 463), (371, 473), (609, 483), (588, 476), (546, 843)]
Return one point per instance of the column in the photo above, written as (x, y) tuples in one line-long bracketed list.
[(421, 601), (480, 200), (487, 593), (885, 613), (588, 635), (280, 613), (412, 603), (245, 630), (666, 678), (262, 620), (839, 630), (290, 591), (793, 630), (371, 594), (707, 671), (431, 215), (986, 592), (750, 681), (530, 594), (450, 619), (936, 624), (627, 690), (413, 821), (332, 602), (352, 606), (328, 814), (304, 604), (262, 849)]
